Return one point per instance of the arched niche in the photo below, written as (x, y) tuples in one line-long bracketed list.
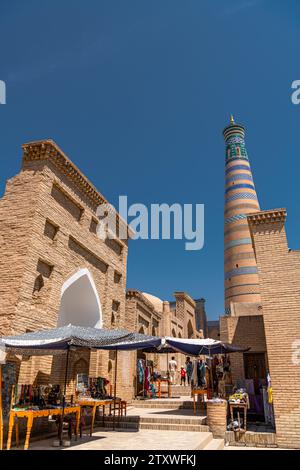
[(190, 329), (80, 304)]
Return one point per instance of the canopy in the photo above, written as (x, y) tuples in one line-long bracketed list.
[(56, 340), (205, 347), (161, 349)]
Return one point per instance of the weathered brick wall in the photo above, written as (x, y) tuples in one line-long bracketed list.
[(279, 277), (47, 228), (246, 331)]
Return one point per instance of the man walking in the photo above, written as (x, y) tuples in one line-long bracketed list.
[(173, 370)]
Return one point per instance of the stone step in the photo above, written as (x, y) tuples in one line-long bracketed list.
[(174, 427), (174, 420), (170, 405), (215, 444), (160, 419), (130, 425), (204, 439)]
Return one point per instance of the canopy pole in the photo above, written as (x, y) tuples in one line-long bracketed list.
[(211, 374), (115, 389), (168, 375), (64, 397)]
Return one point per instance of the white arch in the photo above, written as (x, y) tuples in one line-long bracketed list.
[(80, 304)]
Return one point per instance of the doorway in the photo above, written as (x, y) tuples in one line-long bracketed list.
[(255, 366)]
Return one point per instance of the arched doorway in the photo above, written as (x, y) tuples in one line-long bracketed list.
[(190, 329), (80, 304)]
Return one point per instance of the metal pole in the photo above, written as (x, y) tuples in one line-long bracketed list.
[(211, 374), (64, 397), (168, 375), (115, 389)]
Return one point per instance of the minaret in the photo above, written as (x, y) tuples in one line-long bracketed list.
[(240, 270)]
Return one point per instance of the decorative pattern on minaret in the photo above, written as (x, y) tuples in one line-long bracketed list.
[(240, 270)]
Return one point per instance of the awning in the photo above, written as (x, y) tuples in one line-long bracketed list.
[(205, 347), (57, 340)]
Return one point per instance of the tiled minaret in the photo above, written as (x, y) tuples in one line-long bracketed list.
[(241, 279)]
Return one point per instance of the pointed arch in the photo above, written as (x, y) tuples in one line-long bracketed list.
[(80, 303), (190, 329)]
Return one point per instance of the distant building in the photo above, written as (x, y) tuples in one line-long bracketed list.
[(213, 329)]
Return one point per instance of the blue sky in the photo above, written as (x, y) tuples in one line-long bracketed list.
[(137, 93)]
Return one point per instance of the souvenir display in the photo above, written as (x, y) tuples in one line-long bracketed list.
[(30, 397)]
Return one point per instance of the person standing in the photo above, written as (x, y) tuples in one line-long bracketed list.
[(189, 369), (182, 376), (173, 370)]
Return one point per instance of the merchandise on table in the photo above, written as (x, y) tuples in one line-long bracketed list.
[(92, 388), (31, 397), (239, 397)]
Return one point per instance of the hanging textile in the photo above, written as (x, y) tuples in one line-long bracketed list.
[(141, 371)]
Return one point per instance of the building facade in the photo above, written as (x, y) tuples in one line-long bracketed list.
[(279, 279), (54, 269)]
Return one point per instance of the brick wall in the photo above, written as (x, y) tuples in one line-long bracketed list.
[(47, 234), (246, 331), (279, 277)]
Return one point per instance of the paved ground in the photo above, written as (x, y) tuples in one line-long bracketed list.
[(251, 448), (150, 440)]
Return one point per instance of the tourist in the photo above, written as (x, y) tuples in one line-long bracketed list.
[(173, 370), (189, 369), (182, 376)]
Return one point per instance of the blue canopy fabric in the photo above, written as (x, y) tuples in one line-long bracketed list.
[(57, 340), (205, 347)]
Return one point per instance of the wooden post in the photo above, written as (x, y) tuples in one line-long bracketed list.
[(115, 389)]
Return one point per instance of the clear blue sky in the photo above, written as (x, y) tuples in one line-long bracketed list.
[(137, 93)]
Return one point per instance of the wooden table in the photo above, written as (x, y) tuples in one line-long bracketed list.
[(159, 391), (95, 404), (243, 406), (196, 392), (31, 415)]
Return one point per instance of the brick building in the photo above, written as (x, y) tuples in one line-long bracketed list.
[(262, 291), (279, 279), (55, 270), (213, 329), (53, 267), (154, 316)]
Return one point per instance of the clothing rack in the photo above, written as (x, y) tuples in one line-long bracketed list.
[(144, 397)]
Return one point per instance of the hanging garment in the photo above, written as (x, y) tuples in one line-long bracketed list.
[(201, 374), (195, 375), (141, 371), (147, 378), (270, 395), (189, 369)]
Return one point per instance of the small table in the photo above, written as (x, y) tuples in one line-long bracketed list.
[(95, 404), (243, 406), (31, 415), (159, 390), (195, 392)]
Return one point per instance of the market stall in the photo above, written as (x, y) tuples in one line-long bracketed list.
[(149, 381), (62, 341)]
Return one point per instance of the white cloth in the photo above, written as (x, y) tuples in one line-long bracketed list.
[(172, 365)]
